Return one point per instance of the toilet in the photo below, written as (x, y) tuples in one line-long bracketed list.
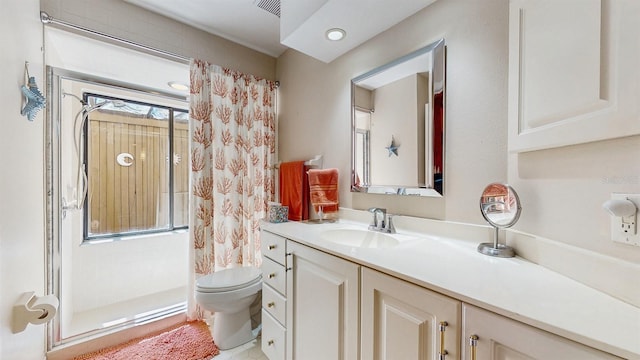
[(229, 294)]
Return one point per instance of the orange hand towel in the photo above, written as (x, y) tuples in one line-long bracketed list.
[(294, 191), (323, 188)]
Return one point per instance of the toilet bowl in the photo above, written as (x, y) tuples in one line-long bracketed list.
[(229, 294)]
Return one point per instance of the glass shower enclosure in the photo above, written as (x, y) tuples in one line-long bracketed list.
[(117, 160)]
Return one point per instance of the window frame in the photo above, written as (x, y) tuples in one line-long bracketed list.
[(171, 176)]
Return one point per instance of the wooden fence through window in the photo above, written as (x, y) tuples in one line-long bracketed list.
[(126, 198)]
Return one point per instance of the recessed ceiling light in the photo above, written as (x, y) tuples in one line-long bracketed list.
[(335, 34), (178, 86)]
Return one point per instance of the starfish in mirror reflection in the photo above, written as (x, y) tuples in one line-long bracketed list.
[(393, 147)]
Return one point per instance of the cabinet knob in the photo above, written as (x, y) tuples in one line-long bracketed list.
[(271, 247), (270, 342), (271, 304), (272, 275)]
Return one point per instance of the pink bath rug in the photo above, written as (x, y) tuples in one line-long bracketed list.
[(188, 341)]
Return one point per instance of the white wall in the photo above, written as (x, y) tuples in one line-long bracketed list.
[(22, 178), (315, 111), (121, 19), (561, 189)]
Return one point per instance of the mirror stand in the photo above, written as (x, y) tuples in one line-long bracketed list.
[(496, 249)]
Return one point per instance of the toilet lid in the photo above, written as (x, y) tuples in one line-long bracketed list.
[(229, 279)]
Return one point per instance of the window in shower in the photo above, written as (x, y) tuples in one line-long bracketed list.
[(136, 157)]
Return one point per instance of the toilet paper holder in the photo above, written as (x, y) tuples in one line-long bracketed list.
[(31, 309)]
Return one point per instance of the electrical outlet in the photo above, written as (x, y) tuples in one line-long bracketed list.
[(624, 229)]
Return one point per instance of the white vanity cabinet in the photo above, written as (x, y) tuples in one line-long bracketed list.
[(274, 295), (323, 312), (488, 336), (401, 320), (322, 306)]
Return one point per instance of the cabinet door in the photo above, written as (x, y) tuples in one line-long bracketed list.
[(322, 312), (500, 338), (402, 320), (573, 72)]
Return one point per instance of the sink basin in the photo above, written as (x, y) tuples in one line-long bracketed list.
[(359, 238), (318, 221)]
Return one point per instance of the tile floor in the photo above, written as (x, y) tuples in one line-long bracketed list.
[(248, 351)]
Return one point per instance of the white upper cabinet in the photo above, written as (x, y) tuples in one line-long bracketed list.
[(574, 73)]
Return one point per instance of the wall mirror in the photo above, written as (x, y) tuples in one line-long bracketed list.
[(397, 125)]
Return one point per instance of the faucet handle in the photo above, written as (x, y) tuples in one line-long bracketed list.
[(376, 210), (390, 228), (375, 225)]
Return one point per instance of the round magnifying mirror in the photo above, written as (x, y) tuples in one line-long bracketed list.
[(500, 206)]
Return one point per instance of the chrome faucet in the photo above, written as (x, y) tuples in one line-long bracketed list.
[(385, 224)]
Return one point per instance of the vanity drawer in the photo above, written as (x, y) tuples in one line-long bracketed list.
[(274, 275), (273, 337), (273, 246), (274, 303)]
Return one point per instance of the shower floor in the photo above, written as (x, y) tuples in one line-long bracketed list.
[(135, 310)]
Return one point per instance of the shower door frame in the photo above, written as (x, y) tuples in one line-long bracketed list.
[(53, 200)]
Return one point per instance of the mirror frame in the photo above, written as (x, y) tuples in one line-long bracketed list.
[(437, 73)]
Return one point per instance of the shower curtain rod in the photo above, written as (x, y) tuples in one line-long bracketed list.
[(48, 20)]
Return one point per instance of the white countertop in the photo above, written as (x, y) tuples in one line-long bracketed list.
[(513, 287)]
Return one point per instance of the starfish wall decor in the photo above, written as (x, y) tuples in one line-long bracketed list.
[(35, 99)]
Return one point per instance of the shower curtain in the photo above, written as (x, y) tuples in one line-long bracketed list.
[(233, 137)]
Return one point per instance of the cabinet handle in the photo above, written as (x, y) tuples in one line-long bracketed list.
[(442, 327), (271, 304), (270, 342), (271, 247), (272, 275), (473, 344)]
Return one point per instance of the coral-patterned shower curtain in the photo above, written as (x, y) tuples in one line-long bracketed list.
[(233, 138)]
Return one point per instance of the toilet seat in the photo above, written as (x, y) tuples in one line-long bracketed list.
[(229, 280)]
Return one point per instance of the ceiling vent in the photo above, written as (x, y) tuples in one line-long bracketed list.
[(272, 6)]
